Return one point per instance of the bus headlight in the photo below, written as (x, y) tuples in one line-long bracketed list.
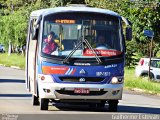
[(45, 78), (117, 80)]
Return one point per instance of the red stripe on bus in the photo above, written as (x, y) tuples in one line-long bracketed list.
[(54, 69), (73, 71), (99, 52)]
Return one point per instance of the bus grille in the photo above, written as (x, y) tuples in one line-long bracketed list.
[(69, 92), (79, 79)]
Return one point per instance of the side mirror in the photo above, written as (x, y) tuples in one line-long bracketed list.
[(128, 29), (128, 33)]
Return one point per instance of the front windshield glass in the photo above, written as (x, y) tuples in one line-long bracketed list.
[(62, 33)]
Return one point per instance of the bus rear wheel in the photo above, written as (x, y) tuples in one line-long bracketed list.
[(113, 104), (44, 104), (35, 100)]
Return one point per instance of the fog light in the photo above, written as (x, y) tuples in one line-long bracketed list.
[(47, 90), (115, 92)]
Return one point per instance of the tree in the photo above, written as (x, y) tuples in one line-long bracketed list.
[(14, 21)]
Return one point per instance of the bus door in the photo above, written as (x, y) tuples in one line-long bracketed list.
[(32, 55)]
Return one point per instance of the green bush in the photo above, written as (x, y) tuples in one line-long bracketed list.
[(131, 82), (12, 60)]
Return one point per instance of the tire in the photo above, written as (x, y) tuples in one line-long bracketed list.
[(144, 76), (113, 105), (44, 104), (35, 100)]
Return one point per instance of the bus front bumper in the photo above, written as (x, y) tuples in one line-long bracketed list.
[(67, 91)]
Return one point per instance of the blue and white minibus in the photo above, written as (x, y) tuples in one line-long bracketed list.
[(85, 59)]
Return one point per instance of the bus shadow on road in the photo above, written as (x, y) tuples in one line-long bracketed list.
[(138, 109), (11, 81), (15, 95), (82, 108), (121, 109)]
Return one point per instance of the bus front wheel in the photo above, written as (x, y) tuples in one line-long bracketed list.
[(113, 104), (44, 104)]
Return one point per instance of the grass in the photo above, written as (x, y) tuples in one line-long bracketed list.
[(12, 60), (146, 85), (131, 82)]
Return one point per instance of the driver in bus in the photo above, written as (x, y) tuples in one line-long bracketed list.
[(102, 42), (50, 45)]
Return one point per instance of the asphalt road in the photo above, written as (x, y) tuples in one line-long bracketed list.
[(14, 100)]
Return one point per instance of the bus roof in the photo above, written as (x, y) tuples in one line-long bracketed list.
[(48, 11)]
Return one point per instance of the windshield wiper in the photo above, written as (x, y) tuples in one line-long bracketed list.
[(76, 48)]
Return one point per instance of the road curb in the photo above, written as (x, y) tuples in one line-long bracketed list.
[(138, 90), (15, 67), (2, 65)]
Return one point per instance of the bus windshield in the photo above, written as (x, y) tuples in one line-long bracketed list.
[(63, 33)]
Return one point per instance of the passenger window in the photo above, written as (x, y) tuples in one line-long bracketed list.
[(155, 63)]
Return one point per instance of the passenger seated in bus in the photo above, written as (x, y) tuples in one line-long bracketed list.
[(49, 44)]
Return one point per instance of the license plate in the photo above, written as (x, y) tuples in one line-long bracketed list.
[(81, 90)]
